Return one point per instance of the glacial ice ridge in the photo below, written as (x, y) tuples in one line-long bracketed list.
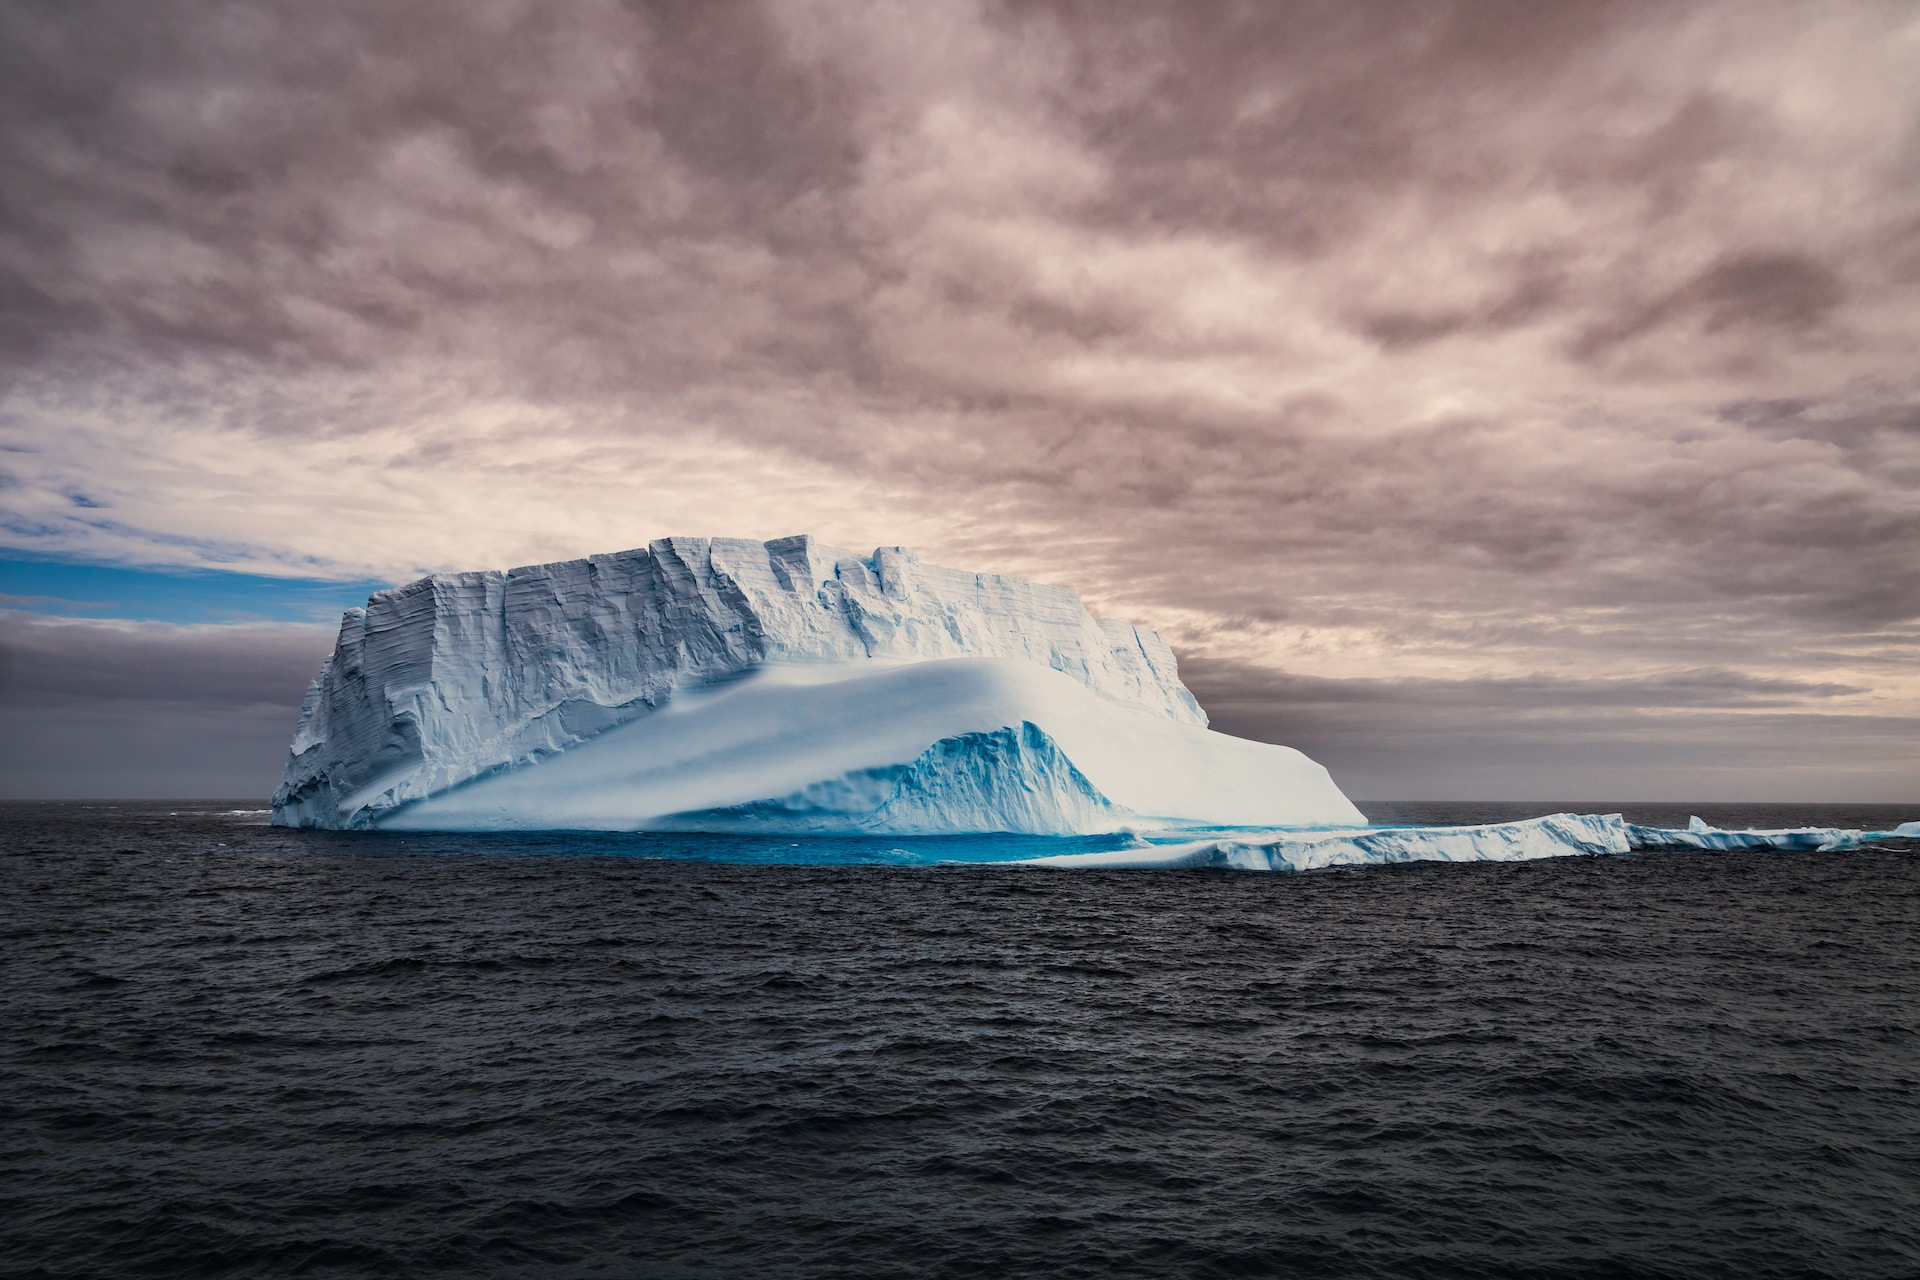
[(733, 685)]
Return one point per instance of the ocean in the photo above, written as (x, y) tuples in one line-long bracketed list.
[(232, 1050)]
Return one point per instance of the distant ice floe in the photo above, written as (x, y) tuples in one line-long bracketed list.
[(1554, 836), (1699, 835)]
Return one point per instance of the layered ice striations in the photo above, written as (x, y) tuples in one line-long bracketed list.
[(550, 696)]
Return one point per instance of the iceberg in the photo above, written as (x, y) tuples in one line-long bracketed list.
[(784, 687)]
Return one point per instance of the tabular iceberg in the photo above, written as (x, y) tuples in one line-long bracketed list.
[(733, 685)]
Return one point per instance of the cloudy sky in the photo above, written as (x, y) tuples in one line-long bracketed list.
[(1495, 399)]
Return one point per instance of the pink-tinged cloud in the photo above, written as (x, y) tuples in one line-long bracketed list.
[(1471, 345)]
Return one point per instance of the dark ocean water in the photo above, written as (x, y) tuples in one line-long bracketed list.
[(230, 1050)]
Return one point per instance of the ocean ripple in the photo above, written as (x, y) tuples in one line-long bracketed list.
[(232, 1050)]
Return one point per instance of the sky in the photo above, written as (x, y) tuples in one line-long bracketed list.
[(1494, 399)]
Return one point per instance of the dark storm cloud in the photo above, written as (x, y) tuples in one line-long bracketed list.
[(103, 710), (1284, 121), (285, 185), (1338, 335), (1679, 735), (617, 196), (1529, 298), (59, 662), (1785, 292), (1232, 685)]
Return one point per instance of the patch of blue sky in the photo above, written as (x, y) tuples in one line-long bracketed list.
[(66, 538), (71, 589)]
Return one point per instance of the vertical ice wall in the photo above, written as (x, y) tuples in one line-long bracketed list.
[(457, 675)]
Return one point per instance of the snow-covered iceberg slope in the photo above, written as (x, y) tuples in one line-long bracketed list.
[(955, 745), (731, 685)]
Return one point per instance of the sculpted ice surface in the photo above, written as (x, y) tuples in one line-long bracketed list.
[(728, 684)]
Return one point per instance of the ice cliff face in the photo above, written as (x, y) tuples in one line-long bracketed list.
[(460, 676)]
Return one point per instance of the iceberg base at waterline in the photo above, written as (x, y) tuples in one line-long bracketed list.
[(1322, 849)]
